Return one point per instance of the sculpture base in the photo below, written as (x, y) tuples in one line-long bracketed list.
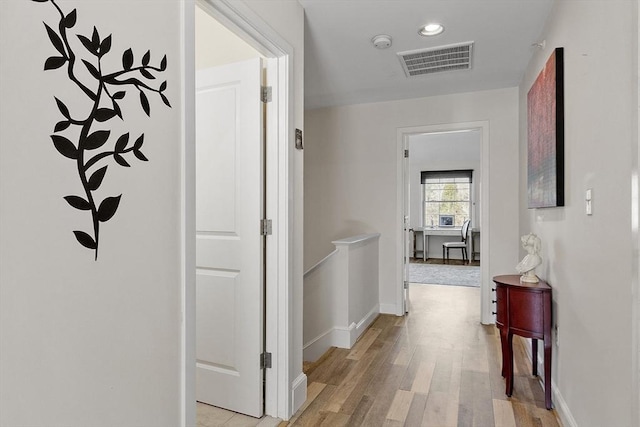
[(525, 278)]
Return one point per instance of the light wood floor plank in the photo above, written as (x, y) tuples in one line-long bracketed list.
[(503, 413), (422, 381), (441, 409), (364, 343), (400, 406)]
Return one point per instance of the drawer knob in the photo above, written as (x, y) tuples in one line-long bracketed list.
[(493, 289), (494, 301), (494, 313)]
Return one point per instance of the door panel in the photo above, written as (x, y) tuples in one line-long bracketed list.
[(229, 246)]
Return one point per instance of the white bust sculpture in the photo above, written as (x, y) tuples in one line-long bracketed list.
[(526, 267)]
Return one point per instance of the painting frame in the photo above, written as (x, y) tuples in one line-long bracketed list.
[(545, 135)]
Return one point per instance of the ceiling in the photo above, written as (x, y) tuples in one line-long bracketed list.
[(343, 67)]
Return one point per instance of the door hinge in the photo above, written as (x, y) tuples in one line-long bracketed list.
[(406, 284), (265, 360), (265, 94), (265, 227), (406, 154)]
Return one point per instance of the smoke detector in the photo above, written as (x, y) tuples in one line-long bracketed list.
[(381, 41)]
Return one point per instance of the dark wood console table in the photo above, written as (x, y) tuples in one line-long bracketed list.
[(524, 309)]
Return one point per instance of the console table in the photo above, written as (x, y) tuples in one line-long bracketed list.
[(524, 309)]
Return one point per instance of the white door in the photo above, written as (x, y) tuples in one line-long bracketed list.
[(407, 225), (229, 244)]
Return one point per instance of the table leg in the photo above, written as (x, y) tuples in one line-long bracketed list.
[(509, 367), (503, 347), (425, 246), (547, 373), (534, 357)]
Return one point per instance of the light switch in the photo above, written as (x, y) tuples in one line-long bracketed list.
[(587, 198)]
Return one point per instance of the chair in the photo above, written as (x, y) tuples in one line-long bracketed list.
[(462, 245)]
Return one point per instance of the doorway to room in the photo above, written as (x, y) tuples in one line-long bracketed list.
[(444, 208), (434, 211), (227, 36)]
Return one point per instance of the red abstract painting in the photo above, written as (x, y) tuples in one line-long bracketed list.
[(545, 119)]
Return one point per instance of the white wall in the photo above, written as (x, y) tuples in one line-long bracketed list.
[(86, 342), (351, 172), (588, 259)]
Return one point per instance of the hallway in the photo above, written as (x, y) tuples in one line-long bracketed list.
[(437, 367)]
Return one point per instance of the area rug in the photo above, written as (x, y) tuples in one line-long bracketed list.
[(437, 274)]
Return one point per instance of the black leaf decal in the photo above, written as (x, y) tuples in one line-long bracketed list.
[(104, 114), (63, 108), (70, 20), (146, 58), (138, 144), (95, 39), (145, 103), (120, 160), (147, 74), (85, 240), (103, 90), (54, 62), (165, 100), (65, 147), (60, 126), (55, 40), (105, 46), (116, 108), (96, 178), (96, 139), (78, 203), (92, 69), (127, 59), (140, 156), (87, 44), (108, 207), (121, 143)]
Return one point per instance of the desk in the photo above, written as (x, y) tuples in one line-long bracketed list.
[(524, 309), (425, 232)]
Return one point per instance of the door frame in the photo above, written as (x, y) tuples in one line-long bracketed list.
[(402, 139), (247, 25)]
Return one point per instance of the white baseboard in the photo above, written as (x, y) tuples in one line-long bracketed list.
[(390, 309), (341, 337), (318, 345), (362, 325), (298, 393), (559, 404)]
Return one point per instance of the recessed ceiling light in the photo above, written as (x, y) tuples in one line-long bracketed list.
[(431, 30)]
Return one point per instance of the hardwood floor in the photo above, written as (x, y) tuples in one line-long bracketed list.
[(438, 366)]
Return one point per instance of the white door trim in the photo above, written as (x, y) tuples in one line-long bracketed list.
[(245, 23), (402, 136)]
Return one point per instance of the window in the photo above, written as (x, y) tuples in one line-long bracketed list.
[(446, 194)]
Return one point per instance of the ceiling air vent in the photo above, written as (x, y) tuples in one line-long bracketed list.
[(437, 59)]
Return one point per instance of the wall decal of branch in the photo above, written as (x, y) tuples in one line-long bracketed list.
[(104, 91)]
